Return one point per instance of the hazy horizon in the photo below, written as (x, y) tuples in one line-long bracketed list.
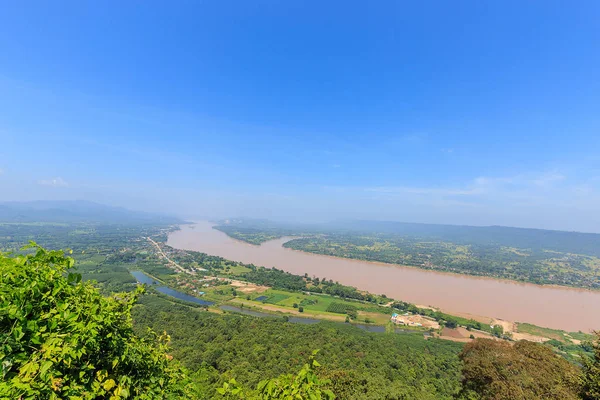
[(275, 111), (36, 205)]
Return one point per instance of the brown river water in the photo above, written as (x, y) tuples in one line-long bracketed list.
[(549, 306)]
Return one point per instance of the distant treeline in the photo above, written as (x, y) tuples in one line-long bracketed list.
[(523, 238), (529, 255)]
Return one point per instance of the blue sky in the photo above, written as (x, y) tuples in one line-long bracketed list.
[(462, 112)]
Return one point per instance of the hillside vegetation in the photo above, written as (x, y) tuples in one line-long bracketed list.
[(359, 364)]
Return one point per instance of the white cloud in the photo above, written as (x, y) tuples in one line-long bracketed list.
[(54, 182), (1, 171), (549, 179), (526, 181), (425, 190), (523, 186), (488, 181)]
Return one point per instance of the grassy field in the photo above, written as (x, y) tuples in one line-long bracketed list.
[(221, 293), (317, 305), (234, 270), (555, 334), (315, 302), (276, 298)]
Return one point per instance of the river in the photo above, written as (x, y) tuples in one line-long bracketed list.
[(548, 306)]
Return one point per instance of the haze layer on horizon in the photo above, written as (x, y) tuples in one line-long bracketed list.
[(470, 113)]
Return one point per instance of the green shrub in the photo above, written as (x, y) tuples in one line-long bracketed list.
[(60, 338), (590, 389), (305, 385)]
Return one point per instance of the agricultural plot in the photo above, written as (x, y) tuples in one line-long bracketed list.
[(308, 302), (341, 308), (276, 298)]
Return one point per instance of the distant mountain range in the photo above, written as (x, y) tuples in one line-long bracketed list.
[(77, 212)]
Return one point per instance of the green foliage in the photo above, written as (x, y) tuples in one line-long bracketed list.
[(250, 235), (305, 385), (340, 308), (62, 339), (451, 323), (499, 370), (498, 330), (104, 254), (590, 388), (360, 365), (276, 298), (556, 334), (59, 337)]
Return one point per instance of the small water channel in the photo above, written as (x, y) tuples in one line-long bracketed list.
[(148, 280), (143, 278), (308, 321)]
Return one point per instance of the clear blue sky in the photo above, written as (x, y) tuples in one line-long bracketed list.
[(463, 112)]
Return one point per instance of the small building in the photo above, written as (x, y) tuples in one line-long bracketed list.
[(396, 319)]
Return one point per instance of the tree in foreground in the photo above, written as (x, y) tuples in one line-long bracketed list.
[(525, 370), (60, 338), (590, 388)]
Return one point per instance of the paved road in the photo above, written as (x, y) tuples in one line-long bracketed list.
[(173, 263)]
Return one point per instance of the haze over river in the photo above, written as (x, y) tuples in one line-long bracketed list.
[(554, 307)]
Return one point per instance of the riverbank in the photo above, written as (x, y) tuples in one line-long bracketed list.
[(437, 271), (531, 257), (228, 295), (558, 308)]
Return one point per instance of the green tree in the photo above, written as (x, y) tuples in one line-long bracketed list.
[(590, 388), (451, 323), (353, 314), (305, 385), (498, 330), (60, 338), (499, 370)]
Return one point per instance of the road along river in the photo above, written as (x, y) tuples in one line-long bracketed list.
[(548, 306)]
